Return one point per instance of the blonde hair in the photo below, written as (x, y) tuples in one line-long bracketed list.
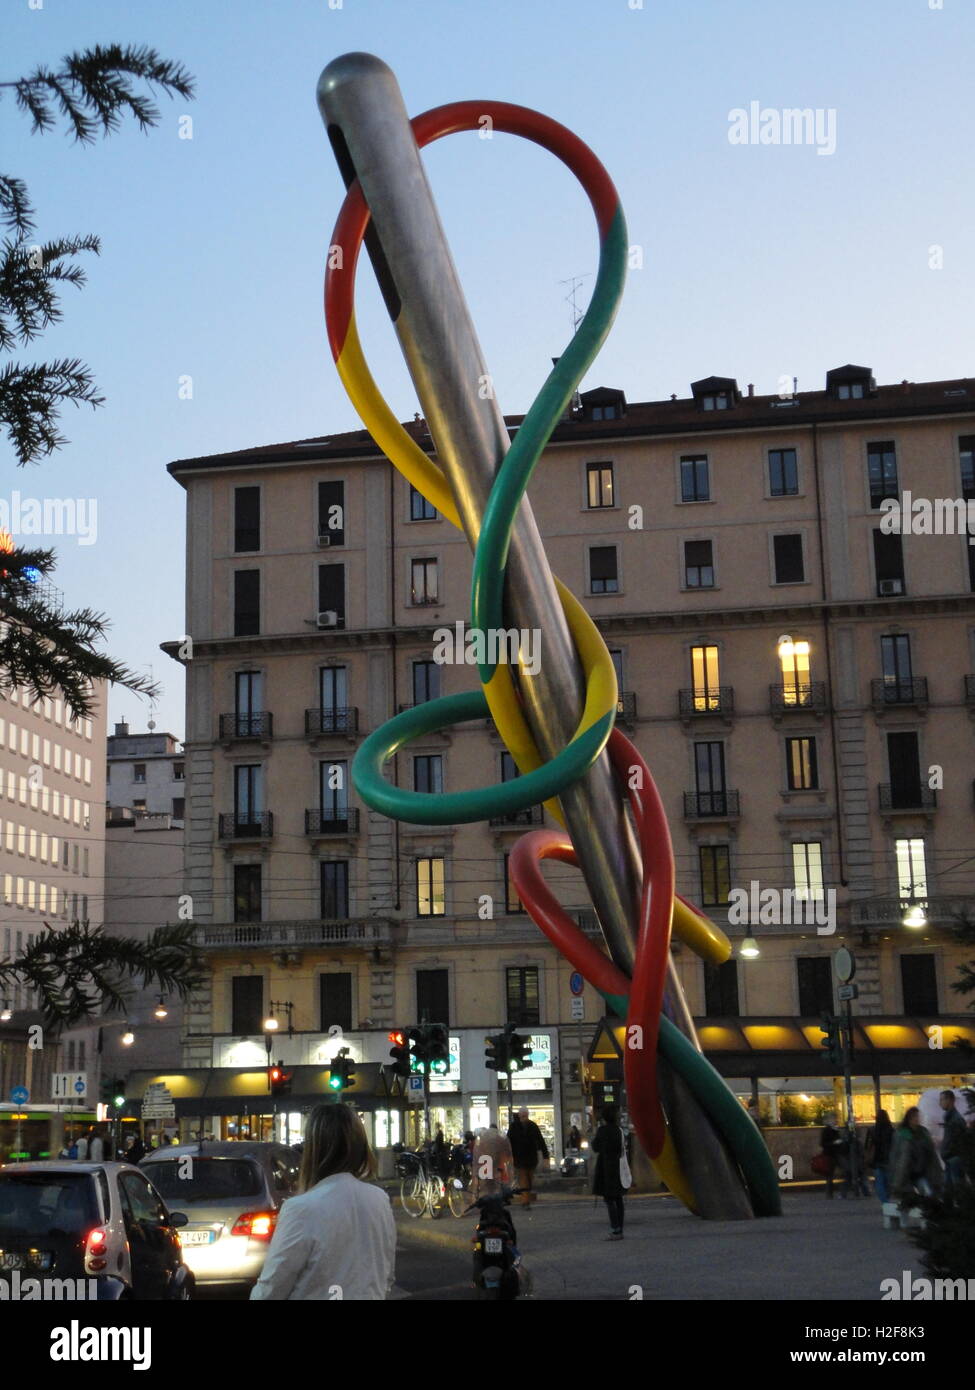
[(335, 1142)]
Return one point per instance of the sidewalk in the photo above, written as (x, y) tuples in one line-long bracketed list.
[(816, 1250)]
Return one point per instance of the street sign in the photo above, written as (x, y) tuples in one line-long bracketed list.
[(847, 992), (69, 1085), (578, 1007), (844, 963), (576, 983), (414, 1090), (159, 1112), (19, 1095)]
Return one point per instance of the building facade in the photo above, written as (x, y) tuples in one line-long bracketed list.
[(797, 672), (147, 773)]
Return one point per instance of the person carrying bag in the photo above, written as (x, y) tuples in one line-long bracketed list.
[(612, 1177)]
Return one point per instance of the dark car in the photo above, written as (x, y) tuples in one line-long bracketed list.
[(102, 1225)]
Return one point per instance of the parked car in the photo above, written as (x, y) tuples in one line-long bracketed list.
[(575, 1163), (231, 1192), (61, 1219)]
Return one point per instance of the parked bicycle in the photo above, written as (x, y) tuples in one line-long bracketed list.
[(421, 1189)]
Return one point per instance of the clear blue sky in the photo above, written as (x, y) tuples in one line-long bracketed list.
[(759, 260)]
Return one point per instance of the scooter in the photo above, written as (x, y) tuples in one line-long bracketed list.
[(496, 1258)]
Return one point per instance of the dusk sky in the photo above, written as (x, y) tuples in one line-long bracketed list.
[(759, 261)]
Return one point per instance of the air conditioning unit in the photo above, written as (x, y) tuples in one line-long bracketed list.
[(328, 619), (324, 538), (889, 587)]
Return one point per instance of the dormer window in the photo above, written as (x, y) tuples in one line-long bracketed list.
[(850, 391), (719, 401), (715, 393), (604, 412), (603, 403), (850, 383)]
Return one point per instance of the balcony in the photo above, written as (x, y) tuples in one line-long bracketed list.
[(916, 800), (333, 820), (905, 692), (245, 825), (331, 721), (797, 699), (588, 922), (532, 815), (236, 727), (717, 702), (354, 931), (711, 806), (889, 912), (626, 707)]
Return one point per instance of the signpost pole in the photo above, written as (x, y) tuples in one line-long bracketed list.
[(850, 1117)]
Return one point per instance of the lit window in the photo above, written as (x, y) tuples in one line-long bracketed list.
[(600, 491), (704, 678), (807, 869), (912, 878), (430, 895), (794, 658), (424, 587)]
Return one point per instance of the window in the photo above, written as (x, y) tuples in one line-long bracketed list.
[(331, 513), (512, 902), (248, 703), (882, 472), (603, 570), (709, 778), (801, 764), (966, 455), (426, 681), (335, 888), (247, 892), (247, 1005), (794, 662), (247, 518), (433, 997), (248, 795), (695, 483), (721, 990), (179, 807), (912, 877), (895, 658), (717, 401), (904, 761), (424, 585), (179, 772), (698, 565), (331, 591), (335, 1000), (420, 508), (850, 391), (333, 699), (428, 773), (604, 412), (430, 899), (138, 772), (138, 806), (333, 785), (715, 865), (815, 979), (521, 996), (783, 473), (919, 982), (704, 678), (787, 554), (807, 869), (600, 488), (247, 602), (888, 563)]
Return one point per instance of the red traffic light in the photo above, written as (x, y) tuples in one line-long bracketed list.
[(397, 1037), (276, 1073)]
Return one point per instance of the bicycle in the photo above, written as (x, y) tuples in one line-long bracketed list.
[(421, 1189)]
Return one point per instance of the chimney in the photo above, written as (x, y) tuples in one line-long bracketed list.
[(121, 730), (751, 388)]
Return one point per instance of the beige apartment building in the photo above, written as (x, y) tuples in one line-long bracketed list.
[(797, 673), (52, 871)]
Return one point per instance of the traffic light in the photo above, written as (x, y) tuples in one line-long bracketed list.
[(419, 1044), (496, 1055), (279, 1080), (113, 1092), (400, 1053), (520, 1051), (832, 1040), (438, 1049), (341, 1073)]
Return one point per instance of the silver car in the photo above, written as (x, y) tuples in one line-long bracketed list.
[(231, 1193)]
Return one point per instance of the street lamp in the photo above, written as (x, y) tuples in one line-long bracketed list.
[(6, 1013), (914, 916), (128, 1037), (749, 947), (160, 1011)]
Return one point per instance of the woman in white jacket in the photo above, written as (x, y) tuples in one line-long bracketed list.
[(337, 1239)]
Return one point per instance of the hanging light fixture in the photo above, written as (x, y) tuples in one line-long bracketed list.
[(160, 1011), (915, 917), (749, 947), (128, 1037), (6, 1013)]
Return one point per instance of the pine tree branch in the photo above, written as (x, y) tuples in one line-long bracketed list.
[(28, 276), (15, 207), (30, 397)]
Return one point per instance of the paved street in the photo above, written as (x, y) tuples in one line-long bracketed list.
[(816, 1250)]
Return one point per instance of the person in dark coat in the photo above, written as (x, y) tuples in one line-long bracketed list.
[(835, 1147), (880, 1140), (136, 1150), (527, 1143), (607, 1145), (914, 1165)]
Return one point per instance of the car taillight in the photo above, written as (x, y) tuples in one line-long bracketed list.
[(257, 1225), (96, 1248)]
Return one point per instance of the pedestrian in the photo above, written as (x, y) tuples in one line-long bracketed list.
[(880, 1139), (493, 1162), (612, 1174), (914, 1166), (438, 1153), (337, 1238), (96, 1148), (953, 1143), (136, 1150), (574, 1141), (528, 1146), (81, 1146), (854, 1161), (831, 1143)]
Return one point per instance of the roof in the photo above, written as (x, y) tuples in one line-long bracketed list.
[(642, 419)]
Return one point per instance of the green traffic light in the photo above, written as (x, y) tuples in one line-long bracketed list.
[(335, 1081), (118, 1101)]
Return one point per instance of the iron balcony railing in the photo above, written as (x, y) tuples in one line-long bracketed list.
[(257, 725), (245, 825), (915, 798), (332, 820), (718, 699), (905, 690), (362, 931), (331, 721), (532, 815), (951, 912), (783, 699), (707, 805)]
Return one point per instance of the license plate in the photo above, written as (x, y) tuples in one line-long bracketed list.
[(10, 1259), (492, 1245), (196, 1237)]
